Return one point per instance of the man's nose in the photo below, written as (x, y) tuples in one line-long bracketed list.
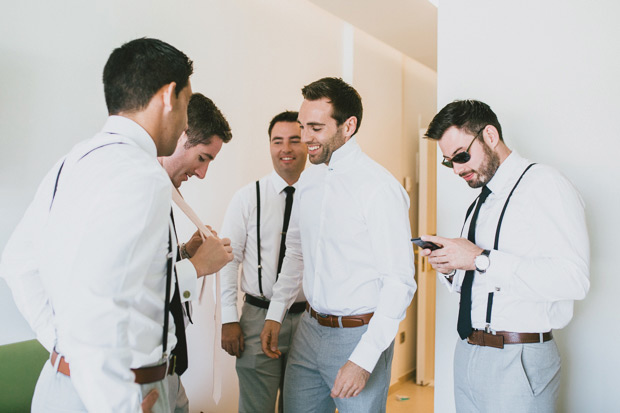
[(458, 167), (305, 136), (202, 171)]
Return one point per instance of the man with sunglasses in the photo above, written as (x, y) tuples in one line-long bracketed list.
[(521, 262)]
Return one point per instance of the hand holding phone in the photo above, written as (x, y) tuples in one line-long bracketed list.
[(427, 245)]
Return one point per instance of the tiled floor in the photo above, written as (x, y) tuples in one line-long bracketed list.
[(420, 398)]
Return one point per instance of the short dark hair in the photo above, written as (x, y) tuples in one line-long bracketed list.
[(138, 69), (287, 116), (468, 115), (204, 121), (344, 98)]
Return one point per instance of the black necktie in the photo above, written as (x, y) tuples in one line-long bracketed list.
[(176, 309), (464, 326), (287, 217)]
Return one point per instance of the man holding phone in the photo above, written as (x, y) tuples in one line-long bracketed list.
[(524, 260)]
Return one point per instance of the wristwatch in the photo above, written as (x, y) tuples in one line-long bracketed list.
[(483, 262)]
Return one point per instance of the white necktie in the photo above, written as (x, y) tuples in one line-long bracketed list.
[(216, 381)]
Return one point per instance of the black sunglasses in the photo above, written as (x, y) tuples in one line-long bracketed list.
[(461, 157)]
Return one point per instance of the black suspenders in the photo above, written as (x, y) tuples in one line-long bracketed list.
[(496, 244), (260, 267), (169, 265), (82, 157)]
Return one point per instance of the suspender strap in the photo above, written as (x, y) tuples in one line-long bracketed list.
[(496, 244), (56, 184), (164, 339), (107, 144), (501, 217), (260, 267), (82, 157), (169, 269)]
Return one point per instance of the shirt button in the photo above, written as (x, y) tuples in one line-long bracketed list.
[(497, 289), (186, 294)]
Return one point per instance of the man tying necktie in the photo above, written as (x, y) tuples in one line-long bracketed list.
[(524, 262), (197, 147), (90, 263), (257, 222)]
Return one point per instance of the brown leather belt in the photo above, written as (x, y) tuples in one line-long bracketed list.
[(335, 321), (144, 375), (497, 339)]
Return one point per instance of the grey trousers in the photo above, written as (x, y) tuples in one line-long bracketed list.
[(317, 354), (259, 376), (54, 393), (176, 395), (518, 378)]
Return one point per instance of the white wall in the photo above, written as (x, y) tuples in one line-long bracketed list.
[(550, 71), (251, 58), (383, 76)]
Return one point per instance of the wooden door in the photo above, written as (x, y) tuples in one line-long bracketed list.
[(427, 224)]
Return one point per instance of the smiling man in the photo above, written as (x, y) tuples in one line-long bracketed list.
[(256, 222), (523, 263), (350, 220), (207, 130)]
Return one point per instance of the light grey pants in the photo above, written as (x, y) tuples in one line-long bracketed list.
[(317, 354), (54, 393), (518, 378), (176, 395), (260, 377)]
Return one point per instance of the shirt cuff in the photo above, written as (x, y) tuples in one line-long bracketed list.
[(230, 314), (454, 286), (276, 311), (499, 276), (365, 356), (188, 280)]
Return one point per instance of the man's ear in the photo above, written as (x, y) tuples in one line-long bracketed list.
[(350, 126), (491, 136), (168, 95)]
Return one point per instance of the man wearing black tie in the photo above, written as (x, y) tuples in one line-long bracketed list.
[(207, 131), (256, 222), (524, 262)]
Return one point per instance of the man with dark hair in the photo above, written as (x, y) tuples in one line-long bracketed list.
[(256, 222), (89, 262), (350, 219), (523, 263), (207, 130)]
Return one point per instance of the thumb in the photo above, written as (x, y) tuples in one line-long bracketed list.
[(149, 401)]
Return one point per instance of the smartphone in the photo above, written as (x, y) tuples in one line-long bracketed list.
[(427, 245)]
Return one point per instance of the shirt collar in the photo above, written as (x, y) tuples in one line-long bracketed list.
[(279, 183), (507, 173), (120, 125), (344, 155)]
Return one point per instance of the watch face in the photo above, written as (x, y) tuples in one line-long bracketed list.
[(482, 262)]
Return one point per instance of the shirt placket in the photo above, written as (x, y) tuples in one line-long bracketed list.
[(319, 264)]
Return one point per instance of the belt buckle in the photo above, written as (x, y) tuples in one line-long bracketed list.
[(172, 360), (322, 315)]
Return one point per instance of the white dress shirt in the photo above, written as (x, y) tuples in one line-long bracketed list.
[(89, 274), (351, 221), (240, 226), (542, 264)]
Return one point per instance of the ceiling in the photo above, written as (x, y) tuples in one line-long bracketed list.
[(409, 26)]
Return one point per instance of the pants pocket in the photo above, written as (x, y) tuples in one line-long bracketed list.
[(541, 366)]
